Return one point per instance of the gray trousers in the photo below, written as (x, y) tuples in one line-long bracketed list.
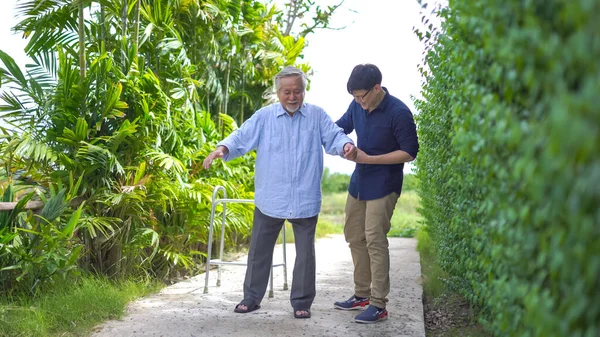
[(265, 231)]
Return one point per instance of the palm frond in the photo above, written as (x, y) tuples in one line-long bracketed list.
[(12, 72), (99, 224), (99, 157), (27, 147), (55, 206), (47, 23), (166, 161)]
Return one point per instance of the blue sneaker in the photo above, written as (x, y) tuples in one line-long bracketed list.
[(373, 314), (353, 303)]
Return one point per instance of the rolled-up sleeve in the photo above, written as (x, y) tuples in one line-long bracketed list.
[(405, 132), (346, 122)]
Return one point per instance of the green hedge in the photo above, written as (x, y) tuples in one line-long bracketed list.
[(509, 126)]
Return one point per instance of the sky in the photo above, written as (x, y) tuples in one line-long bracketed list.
[(10, 43), (376, 31)]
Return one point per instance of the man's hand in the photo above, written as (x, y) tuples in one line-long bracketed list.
[(218, 153), (361, 157), (350, 151)]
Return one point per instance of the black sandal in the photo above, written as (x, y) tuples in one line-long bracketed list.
[(251, 307), (296, 315)]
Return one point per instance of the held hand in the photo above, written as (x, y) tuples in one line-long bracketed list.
[(218, 153), (350, 151)]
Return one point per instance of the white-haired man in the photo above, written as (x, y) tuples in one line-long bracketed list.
[(288, 137)]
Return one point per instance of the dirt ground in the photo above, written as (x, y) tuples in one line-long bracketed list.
[(184, 310)]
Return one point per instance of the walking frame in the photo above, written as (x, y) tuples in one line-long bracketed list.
[(218, 262)]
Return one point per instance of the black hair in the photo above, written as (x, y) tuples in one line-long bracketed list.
[(364, 76)]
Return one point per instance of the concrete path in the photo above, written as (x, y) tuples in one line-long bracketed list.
[(184, 310)]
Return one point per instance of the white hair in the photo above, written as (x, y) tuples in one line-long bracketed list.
[(289, 71)]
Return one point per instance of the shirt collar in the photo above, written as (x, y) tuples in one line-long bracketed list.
[(386, 99)]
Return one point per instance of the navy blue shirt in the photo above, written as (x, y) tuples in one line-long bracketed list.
[(387, 128)]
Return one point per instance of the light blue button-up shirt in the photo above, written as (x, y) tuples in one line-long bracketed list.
[(289, 157)]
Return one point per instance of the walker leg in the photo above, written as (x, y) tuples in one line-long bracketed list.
[(222, 246), (210, 234), (271, 294), (285, 283), (208, 261)]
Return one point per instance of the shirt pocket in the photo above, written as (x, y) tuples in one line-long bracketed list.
[(309, 141)]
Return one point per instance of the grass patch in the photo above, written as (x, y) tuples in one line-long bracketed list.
[(432, 273), (334, 203), (406, 219), (447, 314), (70, 309), (324, 228), (331, 218)]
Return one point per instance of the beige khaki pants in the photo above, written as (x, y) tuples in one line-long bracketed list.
[(366, 226)]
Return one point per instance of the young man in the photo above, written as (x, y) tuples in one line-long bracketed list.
[(387, 138), (289, 137)]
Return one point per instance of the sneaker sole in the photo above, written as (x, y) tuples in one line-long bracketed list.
[(370, 322), (358, 307)]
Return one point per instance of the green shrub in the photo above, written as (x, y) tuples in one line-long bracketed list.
[(334, 182), (38, 248), (509, 169)]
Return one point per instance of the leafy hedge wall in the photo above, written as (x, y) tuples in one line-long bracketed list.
[(509, 126)]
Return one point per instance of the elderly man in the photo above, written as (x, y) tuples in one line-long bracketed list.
[(288, 137)]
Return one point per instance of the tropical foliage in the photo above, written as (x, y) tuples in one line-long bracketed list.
[(110, 123), (509, 166)]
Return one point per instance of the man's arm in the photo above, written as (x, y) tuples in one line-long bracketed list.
[(394, 157), (405, 132), (239, 142), (345, 122), (333, 138)]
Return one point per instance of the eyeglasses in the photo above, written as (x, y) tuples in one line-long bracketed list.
[(362, 97)]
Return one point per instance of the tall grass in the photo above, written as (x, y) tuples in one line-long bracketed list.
[(324, 228), (442, 302), (70, 309), (405, 221), (331, 217), (432, 273)]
